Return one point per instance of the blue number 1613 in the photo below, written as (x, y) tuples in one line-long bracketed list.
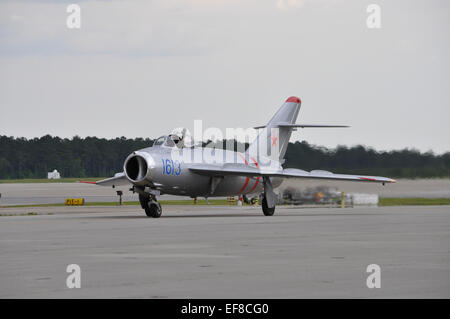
[(170, 167)]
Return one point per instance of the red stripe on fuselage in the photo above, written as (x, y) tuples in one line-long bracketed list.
[(257, 179), (247, 179)]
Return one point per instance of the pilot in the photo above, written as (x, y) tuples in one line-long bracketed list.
[(177, 139)]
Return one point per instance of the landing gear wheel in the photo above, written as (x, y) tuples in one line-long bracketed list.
[(153, 209), (151, 206), (266, 210)]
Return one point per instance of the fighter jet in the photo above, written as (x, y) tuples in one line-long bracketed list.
[(170, 167)]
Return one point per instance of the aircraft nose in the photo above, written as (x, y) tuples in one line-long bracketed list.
[(137, 167)]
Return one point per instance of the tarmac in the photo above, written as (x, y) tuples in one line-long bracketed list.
[(50, 193), (225, 252)]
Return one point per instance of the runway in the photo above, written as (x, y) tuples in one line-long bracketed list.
[(52, 193), (225, 252)]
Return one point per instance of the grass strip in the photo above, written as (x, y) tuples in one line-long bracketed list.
[(419, 201), (135, 203), (384, 201)]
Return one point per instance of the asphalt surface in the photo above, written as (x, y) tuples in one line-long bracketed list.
[(225, 252), (50, 193), (54, 193), (425, 187)]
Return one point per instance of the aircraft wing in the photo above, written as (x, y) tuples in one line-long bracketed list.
[(244, 170), (118, 180)]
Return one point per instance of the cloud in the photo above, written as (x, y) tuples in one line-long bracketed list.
[(236, 60), (136, 28), (289, 4), (154, 28)]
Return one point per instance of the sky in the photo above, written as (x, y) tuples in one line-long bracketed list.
[(142, 68)]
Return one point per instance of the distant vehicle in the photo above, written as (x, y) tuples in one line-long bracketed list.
[(167, 167), (53, 175)]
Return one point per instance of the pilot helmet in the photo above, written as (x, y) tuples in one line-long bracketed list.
[(176, 138)]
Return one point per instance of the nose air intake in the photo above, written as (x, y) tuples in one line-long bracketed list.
[(136, 168)]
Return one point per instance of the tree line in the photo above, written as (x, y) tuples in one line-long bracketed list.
[(75, 157), (100, 157)]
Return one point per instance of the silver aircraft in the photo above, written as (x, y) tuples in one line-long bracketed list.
[(170, 167)]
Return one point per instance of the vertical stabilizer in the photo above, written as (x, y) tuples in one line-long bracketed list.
[(272, 136)]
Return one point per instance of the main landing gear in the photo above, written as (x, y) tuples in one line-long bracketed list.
[(150, 205), (268, 198), (267, 211)]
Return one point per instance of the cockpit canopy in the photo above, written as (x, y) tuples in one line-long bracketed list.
[(171, 140), (160, 141)]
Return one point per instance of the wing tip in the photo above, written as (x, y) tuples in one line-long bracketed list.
[(379, 179)]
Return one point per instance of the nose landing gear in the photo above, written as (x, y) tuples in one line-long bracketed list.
[(150, 205)]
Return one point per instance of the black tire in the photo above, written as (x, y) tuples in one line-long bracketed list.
[(266, 210), (144, 200), (153, 209)]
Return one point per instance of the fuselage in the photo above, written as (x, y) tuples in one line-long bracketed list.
[(168, 171)]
